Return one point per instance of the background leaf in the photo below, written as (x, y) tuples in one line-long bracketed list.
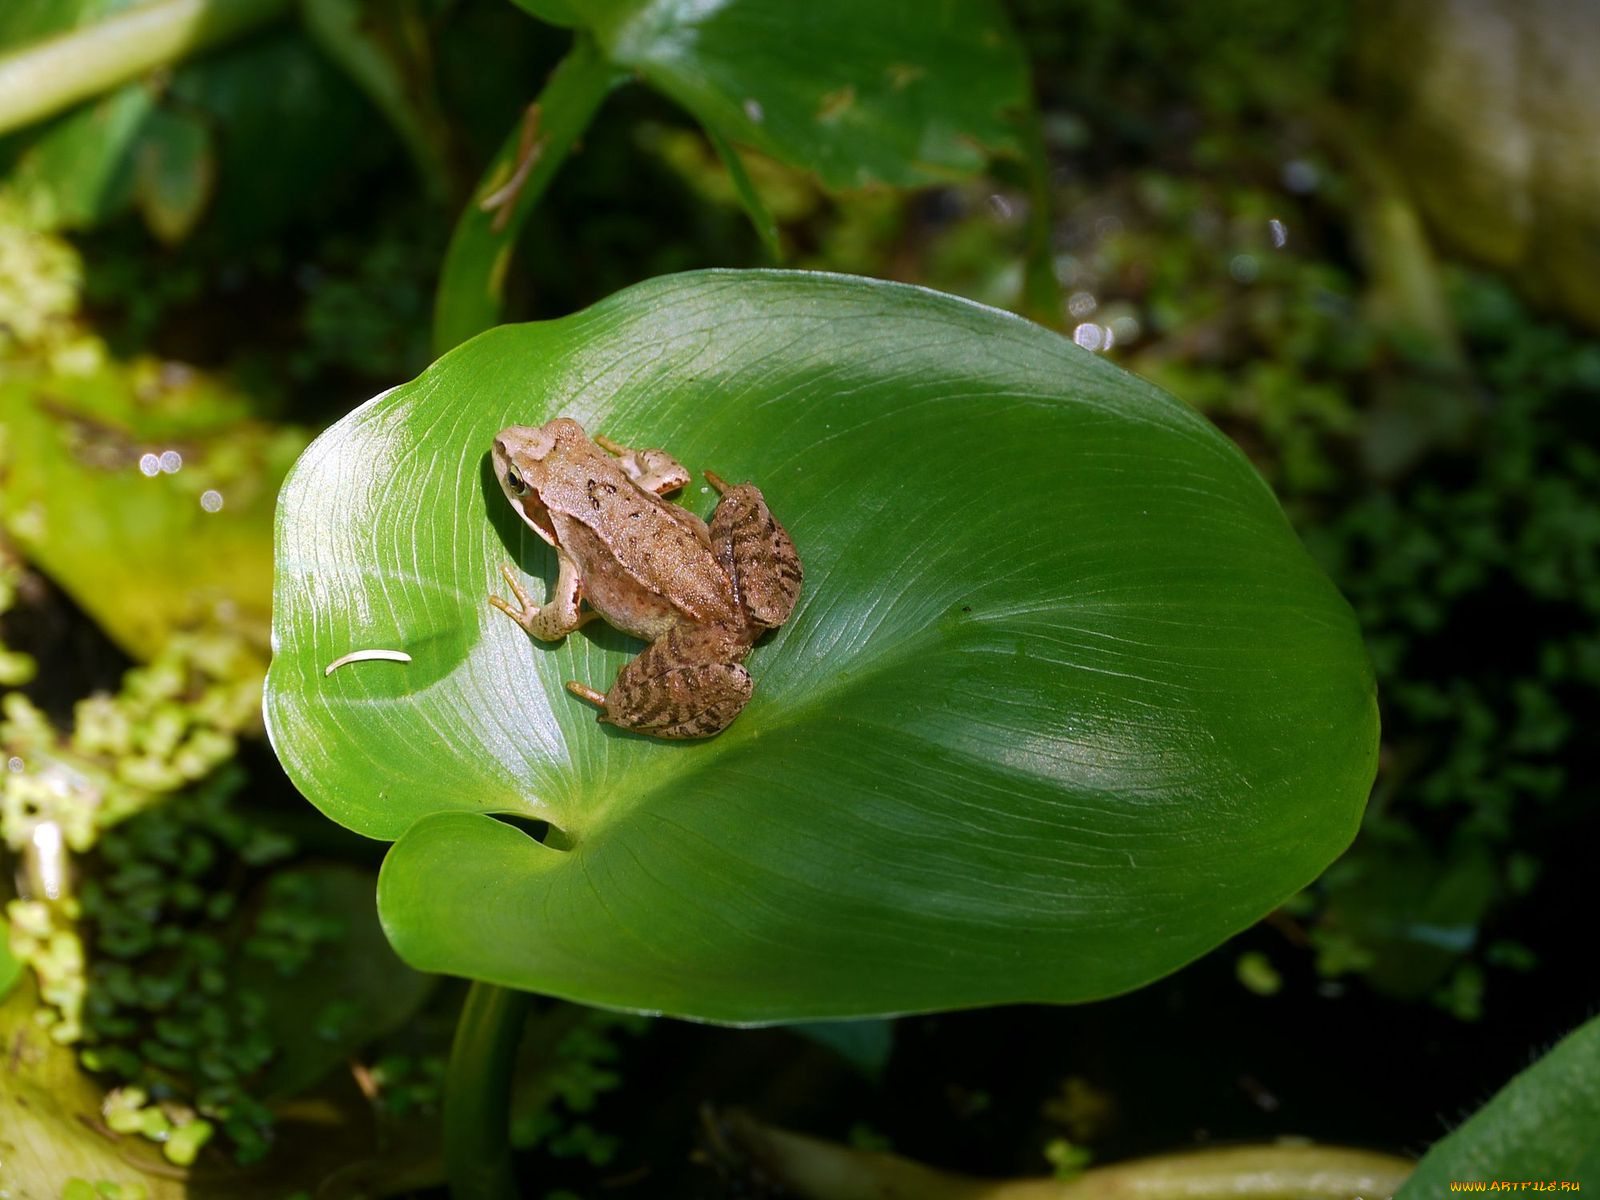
[(176, 173), (269, 125), (889, 92), (556, 12), (1543, 1125), (749, 198), (145, 491), (23, 21), (292, 131), (1064, 703), (79, 171)]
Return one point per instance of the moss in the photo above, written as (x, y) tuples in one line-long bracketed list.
[(132, 964)]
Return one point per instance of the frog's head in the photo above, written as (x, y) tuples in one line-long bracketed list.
[(519, 453)]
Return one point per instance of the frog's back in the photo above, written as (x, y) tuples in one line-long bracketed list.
[(646, 563)]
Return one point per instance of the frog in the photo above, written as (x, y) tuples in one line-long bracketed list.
[(701, 594)]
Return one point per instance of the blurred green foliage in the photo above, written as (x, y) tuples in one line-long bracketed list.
[(1235, 311), (143, 488), (1216, 60), (257, 136), (175, 720), (102, 787), (1478, 582), (368, 299)]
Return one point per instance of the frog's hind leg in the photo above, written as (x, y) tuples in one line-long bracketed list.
[(755, 551), (558, 616), (653, 470), (685, 684)]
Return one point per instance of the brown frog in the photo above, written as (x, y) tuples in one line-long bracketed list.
[(700, 595)]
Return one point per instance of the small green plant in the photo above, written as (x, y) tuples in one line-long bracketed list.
[(163, 1015)]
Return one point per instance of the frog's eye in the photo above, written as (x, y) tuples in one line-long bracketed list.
[(515, 482)]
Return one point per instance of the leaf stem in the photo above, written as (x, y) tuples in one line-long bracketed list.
[(1041, 289), (744, 187), (48, 76), (396, 77), (477, 1104), (472, 281)]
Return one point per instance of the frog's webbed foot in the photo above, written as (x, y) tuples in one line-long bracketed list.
[(755, 551), (686, 684), (653, 470), (552, 621)]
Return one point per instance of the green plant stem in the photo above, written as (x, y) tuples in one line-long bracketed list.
[(472, 281), (46, 77), (744, 187), (1041, 289), (477, 1098), (402, 88)]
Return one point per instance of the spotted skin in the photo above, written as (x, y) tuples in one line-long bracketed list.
[(688, 683), (756, 553)]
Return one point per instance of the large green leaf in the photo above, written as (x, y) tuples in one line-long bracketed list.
[(1544, 1125), (1064, 702)]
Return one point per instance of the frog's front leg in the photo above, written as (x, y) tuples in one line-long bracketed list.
[(688, 683), (558, 616), (755, 551), (653, 470)]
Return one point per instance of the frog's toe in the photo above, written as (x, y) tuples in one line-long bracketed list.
[(524, 610), (652, 469), (521, 613)]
